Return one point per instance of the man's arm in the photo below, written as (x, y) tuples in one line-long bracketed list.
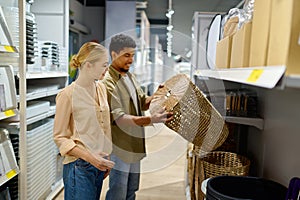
[(159, 117)]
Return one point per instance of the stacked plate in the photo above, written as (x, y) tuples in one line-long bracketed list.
[(50, 55), (31, 39), (63, 59)]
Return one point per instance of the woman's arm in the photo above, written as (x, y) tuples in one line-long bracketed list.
[(61, 130)]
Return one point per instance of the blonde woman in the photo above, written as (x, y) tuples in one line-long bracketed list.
[(82, 125)]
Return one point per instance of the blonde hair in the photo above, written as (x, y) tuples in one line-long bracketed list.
[(89, 52)]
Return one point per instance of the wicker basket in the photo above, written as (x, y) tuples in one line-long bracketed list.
[(194, 117), (224, 163), (217, 163)]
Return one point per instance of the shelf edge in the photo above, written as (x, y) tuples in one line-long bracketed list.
[(33, 119), (264, 76), (256, 122), (40, 75), (4, 179)]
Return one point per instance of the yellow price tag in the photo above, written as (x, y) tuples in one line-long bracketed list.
[(9, 113), (9, 48), (255, 75), (11, 174)]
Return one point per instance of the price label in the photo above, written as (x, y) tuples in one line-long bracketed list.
[(11, 174), (9, 113), (9, 49), (255, 75)]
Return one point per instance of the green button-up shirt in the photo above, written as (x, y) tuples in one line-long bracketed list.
[(128, 141)]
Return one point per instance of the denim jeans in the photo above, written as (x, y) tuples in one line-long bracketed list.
[(82, 181), (124, 180)]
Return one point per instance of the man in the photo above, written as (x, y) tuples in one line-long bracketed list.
[(127, 102)]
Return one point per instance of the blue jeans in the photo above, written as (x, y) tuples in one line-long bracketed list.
[(124, 180), (82, 181)]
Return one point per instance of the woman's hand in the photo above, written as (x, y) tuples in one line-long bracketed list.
[(102, 162), (99, 160)]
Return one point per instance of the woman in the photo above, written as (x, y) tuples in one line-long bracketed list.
[(82, 125)]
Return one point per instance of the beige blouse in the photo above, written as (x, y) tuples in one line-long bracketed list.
[(81, 120)]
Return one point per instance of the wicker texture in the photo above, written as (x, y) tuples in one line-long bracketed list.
[(194, 117), (224, 163)]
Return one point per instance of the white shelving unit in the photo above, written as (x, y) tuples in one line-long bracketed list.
[(37, 179), (50, 83)]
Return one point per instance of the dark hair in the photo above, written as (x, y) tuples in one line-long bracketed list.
[(121, 41)]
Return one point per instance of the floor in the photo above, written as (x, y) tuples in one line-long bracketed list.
[(163, 170)]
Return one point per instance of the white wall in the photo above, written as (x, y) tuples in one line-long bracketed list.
[(49, 15)]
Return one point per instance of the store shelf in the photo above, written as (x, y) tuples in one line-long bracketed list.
[(256, 122), (31, 96), (9, 175), (8, 113), (266, 77), (50, 74), (33, 119)]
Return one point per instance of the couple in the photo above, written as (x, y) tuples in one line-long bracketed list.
[(97, 118)]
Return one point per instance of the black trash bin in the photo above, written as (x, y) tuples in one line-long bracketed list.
[(244, 187)]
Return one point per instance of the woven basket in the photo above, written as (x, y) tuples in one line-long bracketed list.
[(219, 163), (194, 117)]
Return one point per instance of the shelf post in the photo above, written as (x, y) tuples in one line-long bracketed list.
[(22, 107)]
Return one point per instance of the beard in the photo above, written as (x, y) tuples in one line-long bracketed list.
[(124, 70)]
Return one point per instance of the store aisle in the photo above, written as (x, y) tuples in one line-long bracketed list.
[(163, 176)]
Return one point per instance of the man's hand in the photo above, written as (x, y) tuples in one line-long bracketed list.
[(161, 115)]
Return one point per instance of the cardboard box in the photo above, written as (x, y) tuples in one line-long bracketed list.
[(241, 47), (284, 32), (223, 52), (260, 33)]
